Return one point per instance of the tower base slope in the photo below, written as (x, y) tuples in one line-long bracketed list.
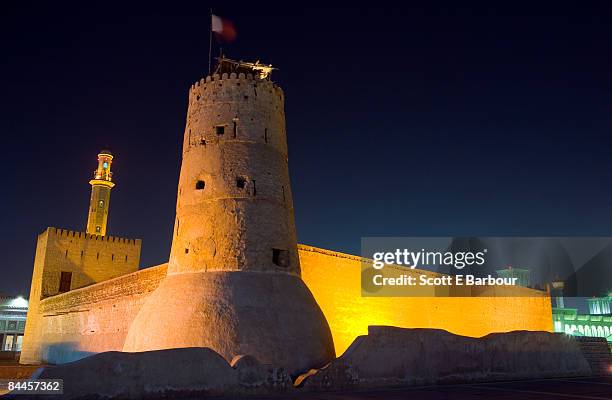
[(273, 317)]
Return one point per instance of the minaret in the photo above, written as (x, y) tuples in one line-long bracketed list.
[(233, 281), (101, 186)]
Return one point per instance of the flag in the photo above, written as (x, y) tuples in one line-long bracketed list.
[(223, 29)]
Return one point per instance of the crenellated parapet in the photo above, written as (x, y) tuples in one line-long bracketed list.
[(248, 81), (85, 258), (88, 236)]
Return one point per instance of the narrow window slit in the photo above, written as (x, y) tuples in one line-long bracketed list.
[(280, 257), (65, 281)]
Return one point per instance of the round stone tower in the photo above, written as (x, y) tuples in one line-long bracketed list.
[(233, 279)]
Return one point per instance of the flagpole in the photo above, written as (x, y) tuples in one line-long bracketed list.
[(210, 41)]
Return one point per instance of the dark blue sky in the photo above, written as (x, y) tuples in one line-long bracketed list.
[(416, 121)]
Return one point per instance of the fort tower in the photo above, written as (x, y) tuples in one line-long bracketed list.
[(233, 279), (101, 186)]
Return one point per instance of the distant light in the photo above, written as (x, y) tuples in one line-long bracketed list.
[(19, 302), (105, 164)]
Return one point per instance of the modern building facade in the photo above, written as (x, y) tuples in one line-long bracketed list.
[(597, 323), (13, 311)]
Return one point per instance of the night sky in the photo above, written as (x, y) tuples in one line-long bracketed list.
[(419, 121)]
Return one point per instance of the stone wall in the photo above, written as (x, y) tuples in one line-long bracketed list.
[(30, 351), (335, 281), (396, 357), (96, 318), (387, 357), (90, 258)]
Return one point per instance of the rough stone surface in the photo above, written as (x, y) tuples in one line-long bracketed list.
[(335, 281), (272, 317), (171, 373), (93, 319), (390, 357), (387, 357), (223, 225)]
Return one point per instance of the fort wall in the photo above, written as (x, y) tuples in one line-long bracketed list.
[(97, 318), (335, 281)]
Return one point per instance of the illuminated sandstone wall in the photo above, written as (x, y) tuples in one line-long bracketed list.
[(90, 259), (30, 351), (335, 281), (95, 318)]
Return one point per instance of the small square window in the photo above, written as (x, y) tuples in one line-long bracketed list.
[(241, 182), (200, 185), (220, 129)]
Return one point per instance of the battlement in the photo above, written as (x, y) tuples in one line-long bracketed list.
[(239, 79), (83, 235)]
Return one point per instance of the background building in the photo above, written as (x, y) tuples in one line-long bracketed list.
[(597, 323), (13, 312), (522, 275)]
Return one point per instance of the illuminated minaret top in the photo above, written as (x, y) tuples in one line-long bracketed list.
[(101, 186)]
